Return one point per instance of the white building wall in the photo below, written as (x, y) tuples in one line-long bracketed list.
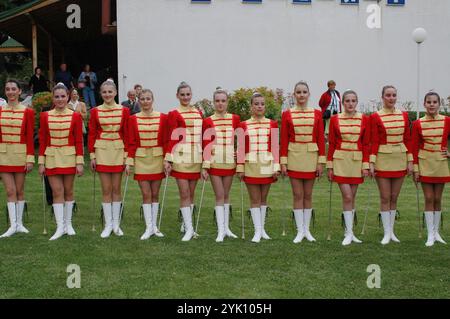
[(230, 44)]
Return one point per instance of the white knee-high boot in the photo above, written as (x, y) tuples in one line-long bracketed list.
[(12, 220), (354, 238), (393, 215), (298, 216), (386, 220), (182, 229), (307, 214), (147, 208), (256, 218), (349, 217), (228, 231), (429, 220), (107, 216), (19, 209), (155, 210), (187, 221), (58, 210), (117, 218), (68, 212), (263, 221), (220, 220), (437, 224)]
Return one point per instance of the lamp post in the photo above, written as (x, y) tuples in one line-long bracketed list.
[(419, 36)]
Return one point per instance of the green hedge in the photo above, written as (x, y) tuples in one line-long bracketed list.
[(239, 103), (40, 101), (413, 115)]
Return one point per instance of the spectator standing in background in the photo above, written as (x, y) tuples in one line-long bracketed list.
[(132, 103), (330, 103), (138, 89), (3, 102), (38, 83), (88, 81), (64, 76), (78, 107)]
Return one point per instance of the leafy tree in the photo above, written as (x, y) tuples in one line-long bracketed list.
[(13, 65), (10, 4)]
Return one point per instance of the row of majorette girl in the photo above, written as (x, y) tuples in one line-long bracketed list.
[(379, 146)]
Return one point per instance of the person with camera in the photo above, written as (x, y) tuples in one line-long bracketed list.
[(87, 81)]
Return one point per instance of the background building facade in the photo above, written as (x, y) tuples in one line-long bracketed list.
[(276, 43)]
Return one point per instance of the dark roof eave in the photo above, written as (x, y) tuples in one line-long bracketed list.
[(26, 8)]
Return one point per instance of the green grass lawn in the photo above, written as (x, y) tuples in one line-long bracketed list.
[(33, 267)]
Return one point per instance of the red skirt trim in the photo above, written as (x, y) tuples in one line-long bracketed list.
[(259, 180), (434, 180), (149, 177), (302, 175), (110, 169), (390, 174), (221, 172), (190, 176), (348, 180), (60, 171), (12, 169)]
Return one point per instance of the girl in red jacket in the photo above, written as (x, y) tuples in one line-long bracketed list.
[(16, 154), (430, 150), (302, 156), (108, 147), (147, 134), (259, 166), (218, 159), (348, 157), (391, 158), (61, 156), (183, 158)]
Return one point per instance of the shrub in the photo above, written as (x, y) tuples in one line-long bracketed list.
[(240, 102), (206, 107), (413, 115), (42, 100)]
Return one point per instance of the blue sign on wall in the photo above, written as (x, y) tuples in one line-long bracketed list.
[(396, 2), (389, 2)]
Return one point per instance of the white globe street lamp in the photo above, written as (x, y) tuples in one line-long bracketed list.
[(419, 35)]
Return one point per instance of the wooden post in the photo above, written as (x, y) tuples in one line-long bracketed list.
[(34, 44), (50, 61), (106, 15)]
